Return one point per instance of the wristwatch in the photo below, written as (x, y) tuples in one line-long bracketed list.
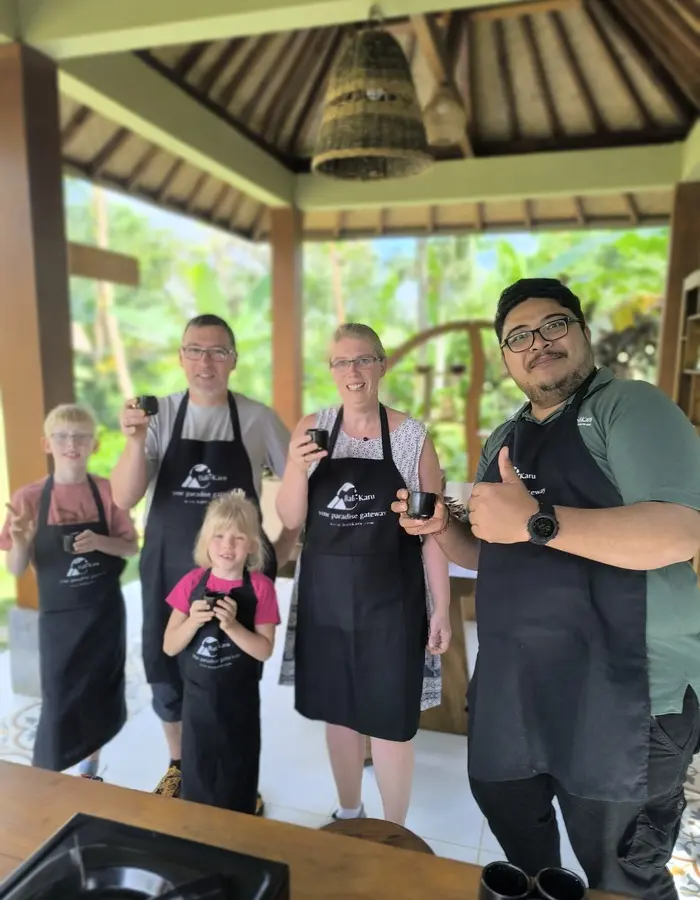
[(542, 527)]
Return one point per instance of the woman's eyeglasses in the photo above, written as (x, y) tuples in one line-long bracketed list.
[(362, 362)]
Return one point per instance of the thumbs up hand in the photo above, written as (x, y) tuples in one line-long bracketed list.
[(499, 513)]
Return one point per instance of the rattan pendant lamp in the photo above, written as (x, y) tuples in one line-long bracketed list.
[(372, 127)]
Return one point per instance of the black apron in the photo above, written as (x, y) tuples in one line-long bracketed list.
[(82, 642), (221, 711), (561, 683), (362, 621), (191, 474)]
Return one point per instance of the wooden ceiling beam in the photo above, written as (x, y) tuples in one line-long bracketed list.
[(582, 86), (251, 52), (86, 28), (85, 261), (220, 64), (618, 67), (555, 124), (141, 166), (264, 82), (75, 124), (194, 194), (103, 156), (556, 174), (296, 73), (161, 192), (632, 209), (134, 95), (302, 120), (221, 198), (506, 78), (189, 59), (431, 41), (581, 216)]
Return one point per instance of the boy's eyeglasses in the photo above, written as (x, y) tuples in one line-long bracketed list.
[(80, 439)]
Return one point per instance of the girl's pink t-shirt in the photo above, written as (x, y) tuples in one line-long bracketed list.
[(267, 611)]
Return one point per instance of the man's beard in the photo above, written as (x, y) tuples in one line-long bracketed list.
[(554, 393)]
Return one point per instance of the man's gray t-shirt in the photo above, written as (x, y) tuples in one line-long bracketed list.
[(265, 437), (650, 451)]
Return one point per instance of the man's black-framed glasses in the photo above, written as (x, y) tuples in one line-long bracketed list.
[(554, 330)]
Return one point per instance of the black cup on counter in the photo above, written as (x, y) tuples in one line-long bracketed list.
[(421, 505), (503, 881), (148, 404), (559, 884), (68, 541), (319, 436)]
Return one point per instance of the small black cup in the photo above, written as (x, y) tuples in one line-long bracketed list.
[(421, 505), (503, 881), (559, 884), (68, 540), (148, 404), (212, 598), (319, 436)]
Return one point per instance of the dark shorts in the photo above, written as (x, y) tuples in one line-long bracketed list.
[(167, 700)]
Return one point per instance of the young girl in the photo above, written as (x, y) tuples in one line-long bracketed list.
[(223, 622)]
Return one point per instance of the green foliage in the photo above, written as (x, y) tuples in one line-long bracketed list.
[(618, 275)]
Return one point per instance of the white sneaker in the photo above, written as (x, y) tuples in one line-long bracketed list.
[(361, 815)]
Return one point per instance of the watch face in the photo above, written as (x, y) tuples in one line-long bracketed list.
[(543, 527)]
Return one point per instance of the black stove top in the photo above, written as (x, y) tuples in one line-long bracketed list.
[(96, 859)]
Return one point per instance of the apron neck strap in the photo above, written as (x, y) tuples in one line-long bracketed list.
[(201, 585), (182, 412), (383, 422), (235, 419), (580, 394)]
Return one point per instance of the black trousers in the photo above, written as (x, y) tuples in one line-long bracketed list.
[(623, 848)]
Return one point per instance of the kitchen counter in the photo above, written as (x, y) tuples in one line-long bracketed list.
[(34, 804)]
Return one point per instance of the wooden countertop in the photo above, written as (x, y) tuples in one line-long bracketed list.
[(35, 803)]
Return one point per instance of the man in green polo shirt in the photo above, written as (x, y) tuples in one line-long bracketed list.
[(582, 524)]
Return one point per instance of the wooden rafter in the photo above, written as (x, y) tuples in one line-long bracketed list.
[(141, 166), (574, 66), (664, 18), (262, 88), (432, 45), (632, 208), (197, 188), (381, 223), (256, 225), (431, 220), (480, 216), (107, 151), (470, 76), (618, 67), (79, 118), (689, 10), (527, 214), (518, 10), (506, 78), (580, 211), (238, 201), (453, 37), (220, 64), (296, 74), (161, 191), (555, 123), (649, 63), (221, 198), (245, 61), (189, 59)]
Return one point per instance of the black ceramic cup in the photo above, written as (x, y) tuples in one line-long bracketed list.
[(421, 505), (319, 436), (559, 884), (212, 598), (503, 881), (68, 540), (148, 404)]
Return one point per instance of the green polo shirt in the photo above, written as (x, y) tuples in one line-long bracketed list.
[(650, 451)]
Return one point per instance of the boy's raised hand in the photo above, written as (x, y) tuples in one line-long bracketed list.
[(22, 526)]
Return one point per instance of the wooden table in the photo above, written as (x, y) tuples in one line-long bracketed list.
[(34, 804)]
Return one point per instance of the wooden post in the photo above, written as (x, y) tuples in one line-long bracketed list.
[(287, 312), (35, 338), (684, 258)]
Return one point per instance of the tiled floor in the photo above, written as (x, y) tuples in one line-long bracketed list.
[(295, 776)]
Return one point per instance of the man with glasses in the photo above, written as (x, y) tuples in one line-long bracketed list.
[(202, 442), (582, 525)]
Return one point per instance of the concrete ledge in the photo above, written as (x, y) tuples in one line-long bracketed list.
[(24, 652)]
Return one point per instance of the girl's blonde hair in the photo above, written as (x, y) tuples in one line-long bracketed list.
[(69, 414), (231, 510), (362, 333)]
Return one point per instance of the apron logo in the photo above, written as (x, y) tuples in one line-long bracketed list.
[(585, 420), (80, 567), (200, 477), (209, 648), (348, 497)]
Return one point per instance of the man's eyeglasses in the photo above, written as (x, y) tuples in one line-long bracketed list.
[(550, 331), (362, 362), (216, 354), (80, 439)]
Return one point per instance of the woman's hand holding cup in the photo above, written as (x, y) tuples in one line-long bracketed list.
[(304, 452)]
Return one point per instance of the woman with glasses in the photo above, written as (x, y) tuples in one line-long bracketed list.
[(369, 596), (202, 442)]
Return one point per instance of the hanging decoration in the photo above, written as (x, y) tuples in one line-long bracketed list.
[(444, 117), (372, 126)]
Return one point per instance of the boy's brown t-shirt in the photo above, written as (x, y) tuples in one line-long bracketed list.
[(71, 504)]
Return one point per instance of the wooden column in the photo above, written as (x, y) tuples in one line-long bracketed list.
[(35, 338), (287, 312), (684, 258)]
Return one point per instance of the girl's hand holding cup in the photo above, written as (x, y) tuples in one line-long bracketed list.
[(226, 611), (200, 613)]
